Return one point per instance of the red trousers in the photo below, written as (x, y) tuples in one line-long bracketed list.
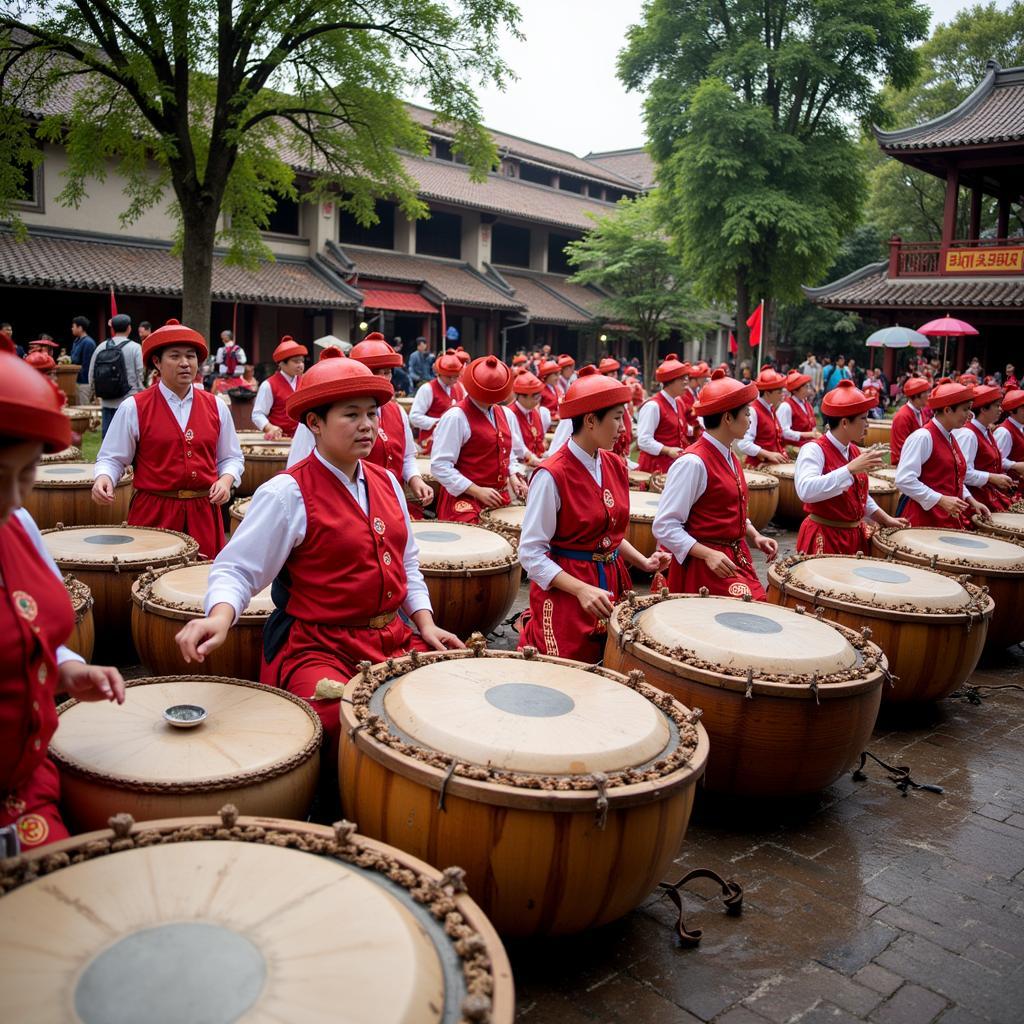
[(463, 509), (815, 539), (693, 573), (33, 809), (935, 517), (654, 463), (194, 516)]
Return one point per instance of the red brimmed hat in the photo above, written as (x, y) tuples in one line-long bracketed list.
[(519, 359), (591, 392), (448, 364), (986, 394), (723, 393), (333, 380), (632, 371), (608, 365), (948, 393), (373, 351), (915, 385), (967, 378), (1013, 399), (43, 341), (565, 360), (769, 380), (700, 369), (331, 352), (671, 369), (527, 384), (174, 333), (488, 380), (846, 399), (462, 355), (796, 380), (41, 361), (548, 367), (29, 408), (288, 348)]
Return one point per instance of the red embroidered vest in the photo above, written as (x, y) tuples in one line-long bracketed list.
[(689, 399), (850, 506), (1016, 436), (441, 402), (803, 418), (531, 427), (624, 440), (281, 390), (904, 423), (944, 471), (588, 520), (988, 458), (168, 458), (484, 457), (388, 450), (769, 433), (720, 513), (549, 398), (671, 428)]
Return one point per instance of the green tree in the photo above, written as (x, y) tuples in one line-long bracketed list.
[(748, 109), (627, 254), (219, 102)]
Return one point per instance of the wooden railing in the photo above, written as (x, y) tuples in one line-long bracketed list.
[(963, 257)]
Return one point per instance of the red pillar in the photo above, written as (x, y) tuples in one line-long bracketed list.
[(894, 255), (889, 363), (974, 232), (952, 198)]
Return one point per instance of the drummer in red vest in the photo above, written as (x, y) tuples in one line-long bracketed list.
[(566, 372), (1009, 435), (573, 545), (472, 458), (181, 441), (435, 397), (797, 421), (630, 376), (987, 472), (333, 535), (702, 515), (932, 470), (268, 411), (910, 416), (763, 440), (532, 418), (661, 423), (832, 479), (623, 446), (36, 618), (551, 395)]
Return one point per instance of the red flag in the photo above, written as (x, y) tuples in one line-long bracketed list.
[(113, 302), (444, 331), (733, 347), (755, 323)]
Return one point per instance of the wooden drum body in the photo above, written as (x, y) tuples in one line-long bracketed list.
[(164, 600), (643, 506), (762, 497), (83, 636), (931, 627), (80, 417), (62, 493), (1005, 525), (236, 513), (878, 432), (234, 918), (789, 701), (67, 380), (508, 520), (258, 748), (263, 459), (639, 480), (565, 794), (985, 561), (471, 572), (790, 508), (885, 493)]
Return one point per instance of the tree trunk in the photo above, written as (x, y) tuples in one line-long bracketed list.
[(649, 350), (744, 353), (199, 230)]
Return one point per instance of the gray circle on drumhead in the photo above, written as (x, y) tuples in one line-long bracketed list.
[(109, 538), (747, 623), (652, 504), (963, 542), (880, 575), (189, 971), (69, 470), (442, 536), (529, 700)]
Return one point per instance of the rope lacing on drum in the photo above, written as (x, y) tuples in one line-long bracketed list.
[(814, 687), (898, 774), (750, 684), (732, 898), (444, 784), (601, 811)]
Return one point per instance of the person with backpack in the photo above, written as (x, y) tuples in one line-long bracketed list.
[(835, 373), (115, 372)]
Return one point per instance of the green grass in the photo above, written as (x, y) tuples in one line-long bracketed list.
[(90, 445)]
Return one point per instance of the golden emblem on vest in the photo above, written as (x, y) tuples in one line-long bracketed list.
[(189, 434), (382, 434), (609, 501), (378, 526), (33, 829), (463, 506), (739, 590), (26, 605)]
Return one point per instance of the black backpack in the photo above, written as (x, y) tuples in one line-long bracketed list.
[(109, 373)]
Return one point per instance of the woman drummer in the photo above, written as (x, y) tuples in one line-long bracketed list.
[(577, 512), (988, 470), (332, 534), (36, 618), (1009, 435), (268, 411)]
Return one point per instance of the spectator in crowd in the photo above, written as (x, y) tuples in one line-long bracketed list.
[(230, 360), (145, 330), (855, 373), (82, 349), (9, 331), (116, 379), (421, 364), (810, 367), (835, 373), (1010, 381)]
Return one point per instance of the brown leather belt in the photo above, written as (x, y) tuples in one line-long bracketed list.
[(734, 544), (180, 495), (836, 524), (377, 622)]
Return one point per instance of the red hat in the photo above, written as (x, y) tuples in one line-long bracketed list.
[(289, 347), (448, 364), (7, 344), (1013, 399), (986, 395), (796, 380), (632, 371), (174, 333), (462, 355), (967, 378), (915, 385), (948, 393), (671, 369), (591, 392), (846, 399), (723, 393), (332, 380), (527, 384), (565, 360), (519, 359), (41, 361), (701, 369), (43, 341), (546, 368), (29, 408), (769, 380), (608, 365), (331, 352), (373, 351), (488, 380)]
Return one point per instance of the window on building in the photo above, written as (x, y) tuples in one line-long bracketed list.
[(510, 246), (568, 183), (539, 176), (377, 236), (284, 220), (30, 188), (613, 195), (443, 149), (557, 263), (440, 235), (509, 168)]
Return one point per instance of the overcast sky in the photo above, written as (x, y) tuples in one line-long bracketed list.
[(567, 94)]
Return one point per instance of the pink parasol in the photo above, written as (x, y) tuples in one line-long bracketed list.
[(947, 327)]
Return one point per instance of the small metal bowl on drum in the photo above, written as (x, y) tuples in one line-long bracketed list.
[(83, 637), (263, 459), (564, 790), (234, 918), (878, 432), (884, 492), (643, 506), (471, 572), (70, 454), (62, 493), (508, 519), (236, 513), (1005, 525), (164, 600), (986, 561), (258, 748), (639, 480), (762, 497), (789, 701), (790, 508), (931, 627)]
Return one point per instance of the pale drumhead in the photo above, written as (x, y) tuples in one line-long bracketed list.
[(879, 583), (986, 552), (738, 635), (1009, 521), (878, 484), (68, 473), (250, 437), (639, 478), (267, 449), (643, 505), (103, 543), (423, 467), (512, 516), (187, 586), (216, 932), (885, 473), (760, 481), (527, 716), (248, 728), (241, 507), (443, 543), (782, 470)]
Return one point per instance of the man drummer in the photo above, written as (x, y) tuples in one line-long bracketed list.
[(763, 441), (566, 372), (532, 419), (932, 470), (181, 441), (702, 515), (572, 544), (661, 423), (551, 395), (795, 414), (333, 535), (1009, 435), (268, 410), (473, 456), (910, 416), (436, 396), (987, 473), (832, 478)]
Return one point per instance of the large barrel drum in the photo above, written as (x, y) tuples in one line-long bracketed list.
[(563, 790), (762, 497), (639, 480), (885, 473), (257, 747), (507, 519), (62, 493), (405, 402), (789, 701), (234, 918), (67, 380), (263, 459), (83, 636), (884, 492), (878, 432), (80, 417), (931, 627), (790, 510), (70, 454), (643, 506), (1005, 525)]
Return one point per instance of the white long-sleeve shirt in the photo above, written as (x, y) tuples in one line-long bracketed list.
[(117, 452), (967, 438), (452, 432), (562, 434), (647, 423), (916, 452), (422, 402), (248, 563), (814, 484), (746, 444), (221, 360), (1004, 439), (687, 480), (265, 401), (784, 414), (540, 519)]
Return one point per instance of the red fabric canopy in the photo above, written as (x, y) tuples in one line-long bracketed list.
[(398, 302)]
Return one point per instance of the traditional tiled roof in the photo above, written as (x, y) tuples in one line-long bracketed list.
[(634, 164), (872, 288), (88, 262), (551, 299), (993, 113)]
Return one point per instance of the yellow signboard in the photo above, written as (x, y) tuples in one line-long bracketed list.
[(1007, 260)]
